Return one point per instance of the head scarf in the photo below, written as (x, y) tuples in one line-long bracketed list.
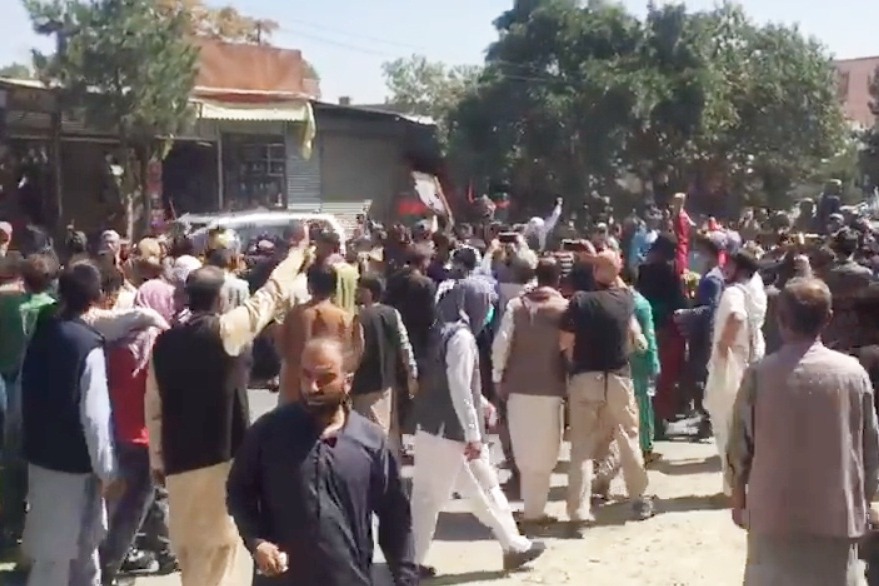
[(470, 300), (158, 295)]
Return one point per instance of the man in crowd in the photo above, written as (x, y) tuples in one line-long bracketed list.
[(307, 480), (127, 363), (450, 444), (660, 284), (386, 351), (411, 292), (599, 331), (529, 373), (328, 248), (319, 318), (737, 341), (235, 290), (698, 323), (803, 453), (197, 380), (19, 313), (847, 280), (68, 438)]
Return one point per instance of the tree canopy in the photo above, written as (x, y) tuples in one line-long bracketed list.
[(16, 71), (427, 88), (226, 23), (578, 96), (125, 69)]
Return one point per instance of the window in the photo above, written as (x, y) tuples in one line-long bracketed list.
[(842, 80), (255, 171)]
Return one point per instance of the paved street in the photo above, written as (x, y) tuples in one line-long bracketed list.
[(690, 543)]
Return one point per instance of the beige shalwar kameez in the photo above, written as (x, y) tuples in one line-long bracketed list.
[(202, 533)]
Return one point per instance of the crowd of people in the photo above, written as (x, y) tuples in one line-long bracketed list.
[(128, 445)]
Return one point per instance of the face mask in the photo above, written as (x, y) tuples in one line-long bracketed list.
[(489, 316)]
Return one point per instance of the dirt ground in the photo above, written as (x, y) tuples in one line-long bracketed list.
[(689, 543)]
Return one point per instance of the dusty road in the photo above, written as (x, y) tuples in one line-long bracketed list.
[(689, 543)]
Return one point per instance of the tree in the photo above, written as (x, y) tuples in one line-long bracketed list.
[(227, 24), (16, 71), (128, 70), (550, 113), (427, 88), (224, 23), (575, 96)]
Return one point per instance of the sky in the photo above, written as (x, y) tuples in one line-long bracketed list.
[(348, 40)]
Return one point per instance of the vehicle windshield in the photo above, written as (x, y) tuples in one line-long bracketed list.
[(251, 232)]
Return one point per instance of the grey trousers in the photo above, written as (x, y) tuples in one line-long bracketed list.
[(802, 561)]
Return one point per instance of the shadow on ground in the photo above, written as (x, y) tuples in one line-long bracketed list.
[(460, 526), (465, 578), (682, 467)]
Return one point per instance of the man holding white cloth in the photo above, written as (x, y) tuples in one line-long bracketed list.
[(737, 342)]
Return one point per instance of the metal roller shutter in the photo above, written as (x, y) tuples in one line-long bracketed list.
[(361, 168), (303, 175)]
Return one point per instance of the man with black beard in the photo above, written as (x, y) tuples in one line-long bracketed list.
[(307, 480)]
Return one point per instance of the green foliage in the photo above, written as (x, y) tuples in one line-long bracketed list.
[(426, 88), (127, 69), (16, 71), (574, 97)]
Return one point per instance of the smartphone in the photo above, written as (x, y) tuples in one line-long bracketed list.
[(573, 246), (508, 237)]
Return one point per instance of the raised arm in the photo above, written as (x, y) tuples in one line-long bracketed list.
[(241, 325)]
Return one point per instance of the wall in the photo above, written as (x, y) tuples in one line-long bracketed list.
[(362, 160), (854, 77)]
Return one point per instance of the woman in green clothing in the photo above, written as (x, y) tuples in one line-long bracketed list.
[(645, 369)]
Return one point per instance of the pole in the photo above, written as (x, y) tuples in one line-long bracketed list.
[(57, 122), (221, 195)]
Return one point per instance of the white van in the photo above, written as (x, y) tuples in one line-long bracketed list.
[(252, 224)]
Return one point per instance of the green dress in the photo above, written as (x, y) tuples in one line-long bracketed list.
[(645, 367)]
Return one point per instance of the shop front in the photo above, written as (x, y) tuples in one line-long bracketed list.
[(27, 171), (264, 154), (255, 170)]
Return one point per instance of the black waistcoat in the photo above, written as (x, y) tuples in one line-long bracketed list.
[(51, 394), (205, 409), (381, 350)]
